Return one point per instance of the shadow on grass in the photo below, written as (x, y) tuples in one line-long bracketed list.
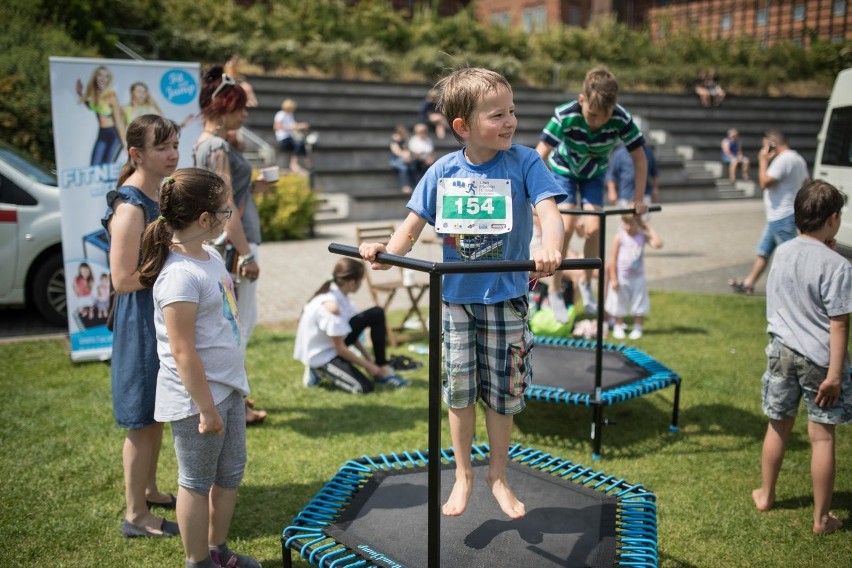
[(728, 420), (349, 418), (264, 511), (675, 562), (674, 330), (841, 500), (631, 429)]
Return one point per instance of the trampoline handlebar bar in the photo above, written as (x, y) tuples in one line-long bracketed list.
[(606, 212), (464, 267)]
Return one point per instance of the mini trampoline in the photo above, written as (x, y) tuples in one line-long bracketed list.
[(591, 373), (372, 511), (565, 371)]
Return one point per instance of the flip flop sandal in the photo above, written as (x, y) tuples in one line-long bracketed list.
[(170, 504), (740, 288)]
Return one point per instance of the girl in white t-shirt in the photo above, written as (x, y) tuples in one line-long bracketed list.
[(330, 324), (202, 377)]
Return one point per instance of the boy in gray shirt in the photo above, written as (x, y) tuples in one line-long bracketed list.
[(808, 301)]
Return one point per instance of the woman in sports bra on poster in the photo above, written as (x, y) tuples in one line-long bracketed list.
[(101, 99)]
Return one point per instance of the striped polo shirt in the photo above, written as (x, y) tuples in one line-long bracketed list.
[(580, 153)]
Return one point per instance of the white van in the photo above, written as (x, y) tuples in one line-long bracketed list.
[(833, 161)]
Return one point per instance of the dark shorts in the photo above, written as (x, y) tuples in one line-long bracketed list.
[(582, 192)]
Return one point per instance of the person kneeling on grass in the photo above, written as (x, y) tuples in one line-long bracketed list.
[(808, 301), (330, 324)]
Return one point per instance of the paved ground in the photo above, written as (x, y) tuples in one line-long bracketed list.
[(705, 243)]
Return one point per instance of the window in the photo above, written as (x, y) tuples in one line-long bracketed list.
[(839, 8), (799, 13), (761, 17), (727, 22), (837, 151), (534, 19), (573, 16), (501, 19)]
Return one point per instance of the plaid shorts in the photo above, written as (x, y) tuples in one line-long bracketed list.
[(789, 377), (486, 355)]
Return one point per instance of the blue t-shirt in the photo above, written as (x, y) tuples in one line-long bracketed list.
[(622, 172), (531, 182)]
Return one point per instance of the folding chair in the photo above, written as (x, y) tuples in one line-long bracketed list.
[(381, 284)]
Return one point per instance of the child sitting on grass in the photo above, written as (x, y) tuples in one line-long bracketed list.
[(808, 301)]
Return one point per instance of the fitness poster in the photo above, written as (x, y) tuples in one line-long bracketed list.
[(93, 101)]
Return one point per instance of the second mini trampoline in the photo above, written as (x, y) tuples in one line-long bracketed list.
[(565, 371)]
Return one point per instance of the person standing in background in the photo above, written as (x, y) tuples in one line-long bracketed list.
[(223, 108), (782, 172)]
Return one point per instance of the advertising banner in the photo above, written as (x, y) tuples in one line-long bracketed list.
[(93, 101)]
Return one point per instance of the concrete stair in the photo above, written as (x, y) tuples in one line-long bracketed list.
[(355, 119)]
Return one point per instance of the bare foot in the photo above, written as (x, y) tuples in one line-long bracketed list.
[(762, 501), (829, 524), (506, 499), (460, 495)]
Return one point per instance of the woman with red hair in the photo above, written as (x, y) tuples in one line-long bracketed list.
[(223, 108)]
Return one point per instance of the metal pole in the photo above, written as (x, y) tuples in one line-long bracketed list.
[(598, 413), (434, 473)]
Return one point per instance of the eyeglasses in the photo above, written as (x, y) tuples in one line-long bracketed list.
[(226, 80), (226, 212)]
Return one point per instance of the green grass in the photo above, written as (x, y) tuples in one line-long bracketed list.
[(61, 499)]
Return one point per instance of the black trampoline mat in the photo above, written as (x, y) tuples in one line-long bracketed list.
[(573, 368), (565, 525)]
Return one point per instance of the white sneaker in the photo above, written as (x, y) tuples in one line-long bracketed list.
[(588, 296), (618, 331), (557, 305), (636, 333)]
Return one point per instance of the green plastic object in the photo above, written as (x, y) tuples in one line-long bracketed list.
[(543, 322)]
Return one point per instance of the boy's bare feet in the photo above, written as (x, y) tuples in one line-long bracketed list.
[(761, 500), (829, 524), (506, 499), (459, 497)]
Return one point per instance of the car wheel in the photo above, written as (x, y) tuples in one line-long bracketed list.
[(48, 293)]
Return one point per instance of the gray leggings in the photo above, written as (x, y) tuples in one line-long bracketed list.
[(205, 459)]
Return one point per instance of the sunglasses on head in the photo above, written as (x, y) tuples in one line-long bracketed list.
[(226, 80)]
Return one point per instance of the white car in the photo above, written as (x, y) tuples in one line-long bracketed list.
[(834, 152), (30, 237)]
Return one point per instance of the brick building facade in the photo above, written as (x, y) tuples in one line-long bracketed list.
[(771, 20)]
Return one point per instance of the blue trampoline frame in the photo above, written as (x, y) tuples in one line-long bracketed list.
[(659, 377), (636, 522)]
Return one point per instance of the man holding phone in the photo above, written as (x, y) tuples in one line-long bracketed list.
[(781, 173)]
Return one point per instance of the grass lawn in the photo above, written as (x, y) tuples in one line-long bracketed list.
[(61, 499)]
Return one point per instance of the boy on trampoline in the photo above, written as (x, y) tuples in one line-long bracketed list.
[(576, 144), (808, 302), (479, 197)]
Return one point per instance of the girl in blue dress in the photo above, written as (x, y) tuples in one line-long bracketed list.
[(152, 155)]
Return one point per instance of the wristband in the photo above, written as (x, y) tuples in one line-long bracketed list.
[(247, 259)]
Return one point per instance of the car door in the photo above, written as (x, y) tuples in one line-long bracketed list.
[(12, 198)]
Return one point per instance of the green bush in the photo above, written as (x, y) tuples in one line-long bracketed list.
[(287, 210)]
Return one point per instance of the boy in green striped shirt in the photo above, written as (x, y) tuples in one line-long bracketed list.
[(576, 145)]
